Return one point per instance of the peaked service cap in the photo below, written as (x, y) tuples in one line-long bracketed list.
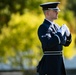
[(50, 5)]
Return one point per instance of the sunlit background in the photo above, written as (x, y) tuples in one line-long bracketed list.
[(20, 48)]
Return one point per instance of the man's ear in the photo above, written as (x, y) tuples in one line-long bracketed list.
[(47, 12)]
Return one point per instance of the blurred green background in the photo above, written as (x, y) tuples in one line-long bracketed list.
[(19, 21)]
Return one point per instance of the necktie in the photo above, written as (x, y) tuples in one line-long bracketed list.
[(54, 29)]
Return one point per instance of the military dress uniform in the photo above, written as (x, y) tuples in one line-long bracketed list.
[(52, 42)]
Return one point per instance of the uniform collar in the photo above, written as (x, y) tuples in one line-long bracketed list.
[(48, 22)]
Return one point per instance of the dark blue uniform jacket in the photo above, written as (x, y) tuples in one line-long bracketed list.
[(51, 40)]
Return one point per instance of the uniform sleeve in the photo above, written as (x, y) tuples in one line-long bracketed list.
[(49, 40), (68, 41)]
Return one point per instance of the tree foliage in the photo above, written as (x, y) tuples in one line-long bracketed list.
[(8, 7), (19, 42), (71, 4)]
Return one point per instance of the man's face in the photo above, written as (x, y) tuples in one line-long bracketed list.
[(53, 14)]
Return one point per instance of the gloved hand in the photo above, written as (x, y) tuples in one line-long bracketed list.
[(62, 29), (67, 30)]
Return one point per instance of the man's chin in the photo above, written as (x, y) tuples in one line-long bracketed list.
[(56, 18)]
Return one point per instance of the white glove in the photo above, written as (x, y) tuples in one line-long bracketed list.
[(62, 29), (67, 30)]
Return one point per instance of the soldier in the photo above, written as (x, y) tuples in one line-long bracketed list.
[(53, 38)]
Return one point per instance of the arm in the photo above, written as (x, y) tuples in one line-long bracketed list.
[(50, 40)]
